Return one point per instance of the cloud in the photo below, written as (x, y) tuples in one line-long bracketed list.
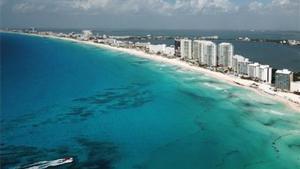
[(256, 6), (224, 5), (156, 7), (26, 7), (204, 6), (88, 4), (283, 3), (166, 7), (287, 5), (279, 6), (2, 2)]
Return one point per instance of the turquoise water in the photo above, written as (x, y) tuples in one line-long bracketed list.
[(112, 110)]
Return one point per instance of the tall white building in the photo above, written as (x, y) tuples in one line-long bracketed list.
[(235, 60), (283, 79), (253, 70), (209, 53), (225, 54), (186, 49), (265, 73), (243, 66), (198, 49)]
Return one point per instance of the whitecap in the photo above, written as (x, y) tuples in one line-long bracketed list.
[(273, 112), (214, 86)]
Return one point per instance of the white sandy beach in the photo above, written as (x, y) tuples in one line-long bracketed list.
[(288, 99)]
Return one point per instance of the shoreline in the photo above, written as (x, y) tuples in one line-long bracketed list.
[(282, 97)]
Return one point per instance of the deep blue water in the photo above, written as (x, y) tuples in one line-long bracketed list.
[(113, 110)]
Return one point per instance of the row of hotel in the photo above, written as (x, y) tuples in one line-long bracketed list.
[(221, 57), (206, 54)]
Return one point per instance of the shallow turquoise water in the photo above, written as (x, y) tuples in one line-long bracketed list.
[(111, 110)]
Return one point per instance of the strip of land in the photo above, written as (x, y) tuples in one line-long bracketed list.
[(289, 99)]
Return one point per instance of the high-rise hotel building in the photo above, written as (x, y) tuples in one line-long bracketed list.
[(205, 52), (253, 70), (283, 79), (225, 54), (265, 73), (186, 49), (198, 49), (240, 64), (210, 53), (177, 47)]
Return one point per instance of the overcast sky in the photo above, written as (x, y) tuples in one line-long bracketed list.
[(153, 14)]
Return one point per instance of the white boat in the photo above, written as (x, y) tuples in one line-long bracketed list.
[(46, 164)]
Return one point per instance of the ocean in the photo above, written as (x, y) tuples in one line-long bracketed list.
[(108, 109)]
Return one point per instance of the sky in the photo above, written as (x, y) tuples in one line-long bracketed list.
[(152, 14)]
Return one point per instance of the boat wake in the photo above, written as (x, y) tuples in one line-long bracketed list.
[(46, 164)]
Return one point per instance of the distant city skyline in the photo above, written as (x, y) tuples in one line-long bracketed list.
[(152, 14)]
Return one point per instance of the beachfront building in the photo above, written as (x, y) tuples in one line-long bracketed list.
[(253, 70), (33, 30), (283, 79), (186, 49), (225, 54), (209, 53), (235, 60), (169, 51), (122, 44), (177, 47), (243, 66), (295, 86), (104, 36), (198, 48), (157, 49), (86, 34), (265, 73), (110, 41), (142, 45)]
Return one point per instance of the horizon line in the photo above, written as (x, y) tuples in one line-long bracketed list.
[(144, 29)]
